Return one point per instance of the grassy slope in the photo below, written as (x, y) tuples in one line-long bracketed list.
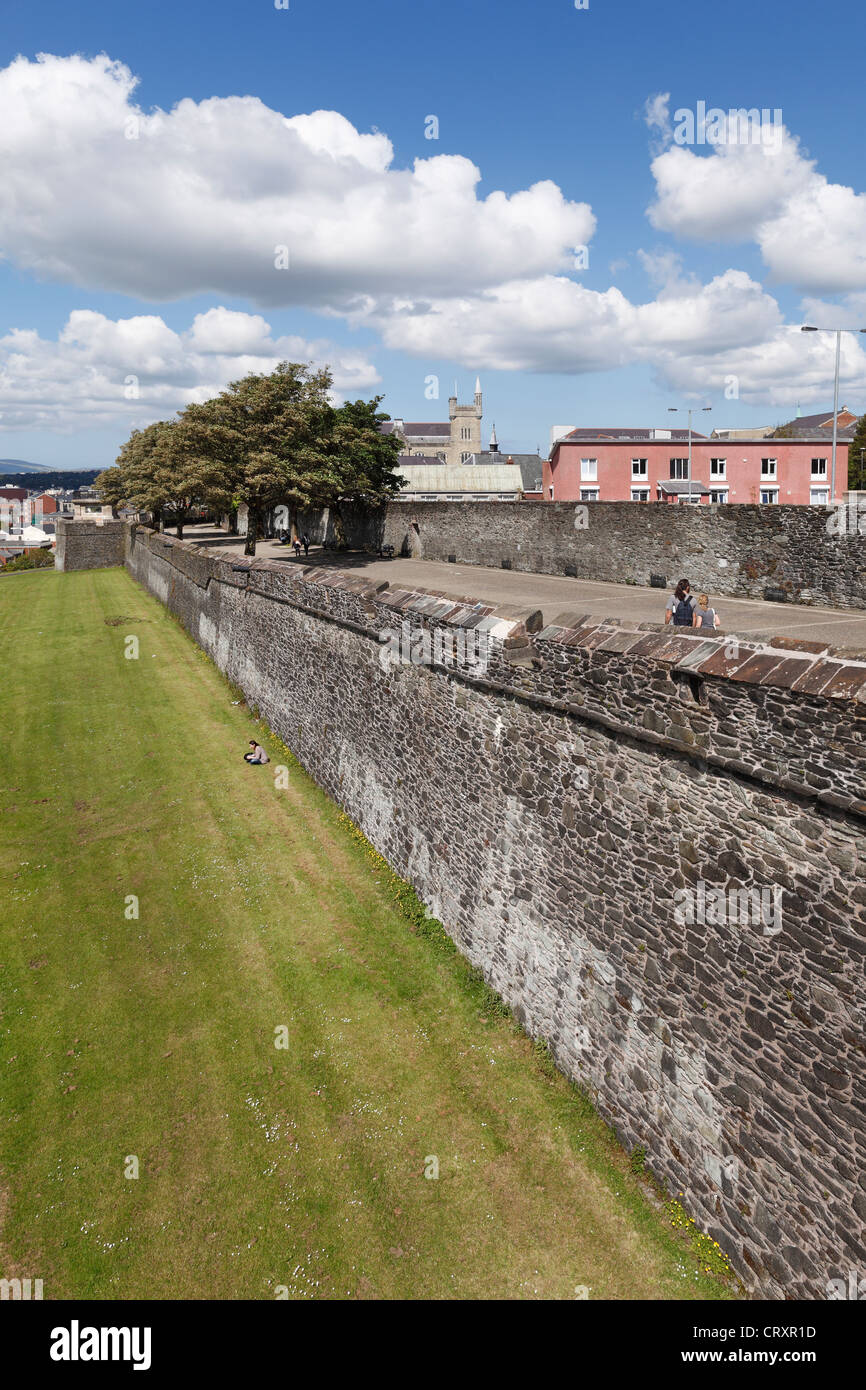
[(259, 1167)]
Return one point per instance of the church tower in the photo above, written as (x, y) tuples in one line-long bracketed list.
[(465, 427)]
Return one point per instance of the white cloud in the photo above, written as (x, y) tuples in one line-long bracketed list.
[(129, 372), (554, 325), (811, 233), (95, 191)]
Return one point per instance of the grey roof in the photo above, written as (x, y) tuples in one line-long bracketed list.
[(583, 435), (678, 485), (461, 477), (531, 466), (435, 428), (809, 423), (408, 460)]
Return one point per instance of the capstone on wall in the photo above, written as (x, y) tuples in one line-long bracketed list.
[(578, 808)]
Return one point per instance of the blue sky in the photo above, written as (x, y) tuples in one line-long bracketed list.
[(527, 93)]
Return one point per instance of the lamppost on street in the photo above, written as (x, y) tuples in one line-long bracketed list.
[(675, 410), (810, 328)]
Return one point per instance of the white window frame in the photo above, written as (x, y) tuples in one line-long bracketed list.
[(769, 496), (465, 432), (589, 470), (718, 468), (719, 495), (639, 469), (637, 494), (823, 500), (676, 464), (585, 494), (818, 472), (769, 469), (464, 457)]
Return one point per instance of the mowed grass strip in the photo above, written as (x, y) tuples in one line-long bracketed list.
[(152, 1037)]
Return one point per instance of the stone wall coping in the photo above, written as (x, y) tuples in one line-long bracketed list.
[(806, 667)]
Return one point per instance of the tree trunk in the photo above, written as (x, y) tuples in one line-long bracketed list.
[(293, 523), (252, 530), (159, 520), (339, 531), (180, 522)]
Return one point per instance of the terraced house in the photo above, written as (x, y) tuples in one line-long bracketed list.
[(791, 464)]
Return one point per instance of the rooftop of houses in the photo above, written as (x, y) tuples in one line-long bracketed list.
[(441, 477)]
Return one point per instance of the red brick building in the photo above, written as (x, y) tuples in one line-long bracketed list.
[(790, 465)]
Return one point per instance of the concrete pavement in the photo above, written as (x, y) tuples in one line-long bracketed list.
[(554, 594)]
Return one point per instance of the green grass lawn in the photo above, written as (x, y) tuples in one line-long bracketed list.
[(261, 1169)]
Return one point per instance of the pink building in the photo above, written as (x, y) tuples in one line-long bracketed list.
[(646, 465)]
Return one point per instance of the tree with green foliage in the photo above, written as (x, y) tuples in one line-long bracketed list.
[(269, 434), (135, 479), (362, 461), (857, 457)]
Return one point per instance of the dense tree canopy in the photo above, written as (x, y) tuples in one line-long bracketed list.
[(265, 441)]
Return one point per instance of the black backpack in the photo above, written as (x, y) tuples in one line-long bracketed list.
[(682, 613)]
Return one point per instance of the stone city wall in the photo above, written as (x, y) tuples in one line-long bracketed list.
[(652, 845), (798, 554), (89, 545)]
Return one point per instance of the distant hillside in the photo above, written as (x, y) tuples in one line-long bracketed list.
[(64, 477), (23, 466)]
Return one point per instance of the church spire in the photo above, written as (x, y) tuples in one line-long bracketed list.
[(494, 442)]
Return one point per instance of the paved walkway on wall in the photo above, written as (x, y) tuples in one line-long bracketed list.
[(555, 594)]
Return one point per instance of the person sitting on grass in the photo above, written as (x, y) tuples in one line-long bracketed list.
[(256, 754)]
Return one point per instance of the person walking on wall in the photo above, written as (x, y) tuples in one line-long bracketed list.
[(681, 605), (705, 616)]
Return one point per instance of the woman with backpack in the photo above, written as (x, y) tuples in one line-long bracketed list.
[(681, 606)]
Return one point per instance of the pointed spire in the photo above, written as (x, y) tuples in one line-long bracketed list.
[(478, 386), (494, 442)]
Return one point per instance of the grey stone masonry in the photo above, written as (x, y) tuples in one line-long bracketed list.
[(88, 545), (802, 554), (651, 843)]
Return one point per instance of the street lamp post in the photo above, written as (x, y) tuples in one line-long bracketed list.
[(810, 328), (675, 409)]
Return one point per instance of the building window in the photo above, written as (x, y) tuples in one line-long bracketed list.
[(768, 468), (464, 457), (718, 494), (588, 470), (769, 496), (819, 468), (550, 490), (589, 494), (639, 468), (679, 468), (718, 467), (640, 494), (690, 497), (819, 496), (506, 496), (465, 432)]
